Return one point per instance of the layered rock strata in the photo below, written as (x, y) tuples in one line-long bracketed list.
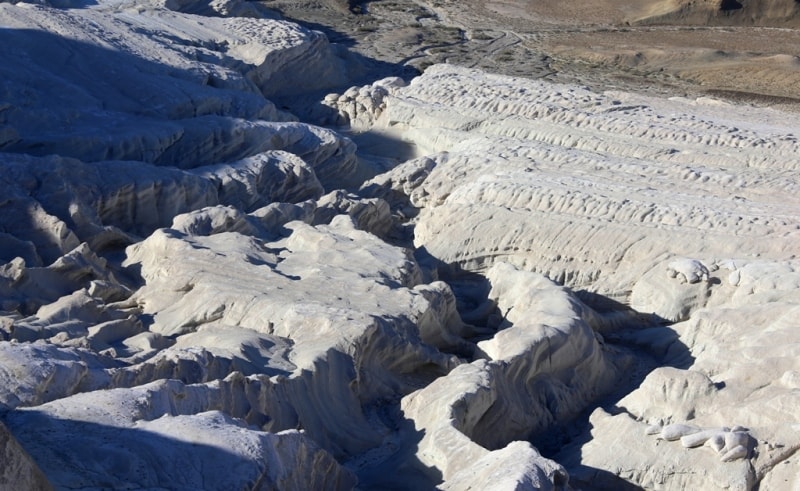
[(657, 212), (197, 290)]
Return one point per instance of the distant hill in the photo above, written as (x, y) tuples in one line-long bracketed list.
[(773, 13)]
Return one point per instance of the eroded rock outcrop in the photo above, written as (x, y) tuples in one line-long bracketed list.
[(198, 291), (656, 210), (544, 365), (156, 117), (208, 449), (149, 84)]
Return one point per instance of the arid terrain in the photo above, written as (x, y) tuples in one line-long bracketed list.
[(747, 51), (399, 245)]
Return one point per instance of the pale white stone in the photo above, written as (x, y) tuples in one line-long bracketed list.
[(517, 466), (735, 439), (697, 439), (689, 270), (652, 430), (675, 431), (735, 453), (716, 442)]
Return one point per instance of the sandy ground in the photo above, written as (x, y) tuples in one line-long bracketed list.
[(749, 54)]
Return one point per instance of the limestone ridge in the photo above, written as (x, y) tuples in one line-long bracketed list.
[(199, 291)]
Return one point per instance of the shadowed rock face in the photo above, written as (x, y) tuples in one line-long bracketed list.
[(508, 284), (19, 470), (728, 5)]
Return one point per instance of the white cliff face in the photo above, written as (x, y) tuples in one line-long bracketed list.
[(199, 291)]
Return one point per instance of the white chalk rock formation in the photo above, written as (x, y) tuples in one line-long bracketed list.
[(55, 203), (543, 367), (207, 450), (321, 329), (652, 463), (195, 292), (592, 189), (743, 343), (674, 210), (262, 179), (517, 466), (149, 84), (36, 373), (359, 107), (121, 118)]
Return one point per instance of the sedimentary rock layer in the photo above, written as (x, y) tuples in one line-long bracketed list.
[(199, 291), (657, 211)]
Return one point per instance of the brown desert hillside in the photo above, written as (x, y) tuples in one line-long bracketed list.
[(743, 50), (765, 13)]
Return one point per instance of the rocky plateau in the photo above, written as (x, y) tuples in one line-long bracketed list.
[(399, 245)]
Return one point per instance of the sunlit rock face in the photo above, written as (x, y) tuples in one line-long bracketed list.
[(674, 211), (598, 187), (199, 291)]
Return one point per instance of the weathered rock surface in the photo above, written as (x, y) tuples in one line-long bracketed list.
[(598, 187), (207, 450), (543, 366), (150, 84), (199, 291), (123, 118), (681, 211)]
